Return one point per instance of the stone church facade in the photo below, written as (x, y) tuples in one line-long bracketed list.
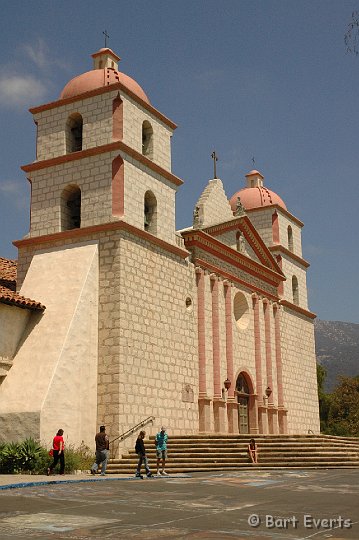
[(110, 315)]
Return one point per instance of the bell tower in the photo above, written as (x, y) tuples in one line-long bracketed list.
[(103, 155)]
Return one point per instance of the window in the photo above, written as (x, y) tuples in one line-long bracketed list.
[(147, 139), (150, 213), (71, 208), (74, 133), (290, 238), (295, 290)]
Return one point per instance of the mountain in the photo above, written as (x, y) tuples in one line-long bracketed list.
[(337, 350)]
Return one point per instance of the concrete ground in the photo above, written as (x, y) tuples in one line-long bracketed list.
[(255, 505)]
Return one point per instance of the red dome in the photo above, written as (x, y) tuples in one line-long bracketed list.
[(255, 197), (98, 78)]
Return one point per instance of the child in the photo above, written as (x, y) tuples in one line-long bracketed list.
[(142, 458)]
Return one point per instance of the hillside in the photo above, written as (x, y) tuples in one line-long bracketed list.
[(337, 349)]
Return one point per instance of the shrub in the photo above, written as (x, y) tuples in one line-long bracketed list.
[(28, 456), (19, 457)]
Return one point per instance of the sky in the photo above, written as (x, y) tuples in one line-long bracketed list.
[(268, 79)]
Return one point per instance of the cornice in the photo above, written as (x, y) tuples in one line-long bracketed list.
[(276, 207), (233, 278), (202, 240), (298, 309), (280, 248), (104, 90), (94, 229), (116, 145)]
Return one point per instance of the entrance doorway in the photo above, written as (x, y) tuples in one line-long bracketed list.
[(242, 392)]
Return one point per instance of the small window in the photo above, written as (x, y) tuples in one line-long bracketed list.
[(71, 208), (74, 133), (295, 290), (150, 213), (290, 238), (147, 139)]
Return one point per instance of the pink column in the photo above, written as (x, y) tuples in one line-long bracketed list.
[(262, 410), (268, 346), (218, 403), (275, 228), (272, 412), (281, 284), (117, 119), (203, 400), (118, 190), (217, 387), (232, 405), (282, 412)]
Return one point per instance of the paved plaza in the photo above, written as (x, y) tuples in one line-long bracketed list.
[(276, 504)]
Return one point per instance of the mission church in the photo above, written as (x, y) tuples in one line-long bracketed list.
[(110, 315)]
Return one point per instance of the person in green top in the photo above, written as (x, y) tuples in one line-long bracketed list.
[(161, 450)]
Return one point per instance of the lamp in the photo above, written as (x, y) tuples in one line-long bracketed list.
[(268, 392), (227, 384)]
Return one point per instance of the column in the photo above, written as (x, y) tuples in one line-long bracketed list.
[(282, 411), (203, 399), (232, 405), (272, 412), (218, 402), (262, 409)]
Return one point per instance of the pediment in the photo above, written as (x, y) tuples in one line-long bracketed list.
[(251, 245)]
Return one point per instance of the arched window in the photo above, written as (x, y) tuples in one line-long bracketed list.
[(74, 133), (147, 139), (117, 119), (290, 238), (71, 208), (295, 290), (150, 213)]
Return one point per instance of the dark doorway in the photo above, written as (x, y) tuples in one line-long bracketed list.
[(242, 392)]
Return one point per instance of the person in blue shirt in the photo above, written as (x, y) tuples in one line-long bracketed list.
[(161, 451)]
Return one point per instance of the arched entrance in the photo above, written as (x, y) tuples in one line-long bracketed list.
[(243, 394)]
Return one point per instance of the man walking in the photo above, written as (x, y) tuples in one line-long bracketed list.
[(102, 451), (161, 451), (142, 458)]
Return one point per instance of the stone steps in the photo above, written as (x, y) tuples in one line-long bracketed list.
[(201, 453)]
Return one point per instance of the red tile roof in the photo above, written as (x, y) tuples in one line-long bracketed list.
[(8, 294)]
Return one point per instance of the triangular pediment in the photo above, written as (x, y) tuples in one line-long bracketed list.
[(249, 243)]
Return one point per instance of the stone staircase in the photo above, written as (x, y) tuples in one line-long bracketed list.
[(196, 453)]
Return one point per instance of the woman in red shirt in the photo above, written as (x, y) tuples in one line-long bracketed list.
[(58, 447)]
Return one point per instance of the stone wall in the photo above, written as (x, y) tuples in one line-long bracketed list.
[(299, 373)]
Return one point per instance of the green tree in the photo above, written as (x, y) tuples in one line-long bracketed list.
[(324, 399), (343, 417)]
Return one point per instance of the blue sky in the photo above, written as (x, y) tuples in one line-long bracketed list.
[(269, 79)]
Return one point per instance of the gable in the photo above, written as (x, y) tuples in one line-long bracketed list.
[(213, 206), (254, 247)]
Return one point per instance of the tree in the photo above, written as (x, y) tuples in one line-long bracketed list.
[(343, 417), (351, 37), (324, 399)]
